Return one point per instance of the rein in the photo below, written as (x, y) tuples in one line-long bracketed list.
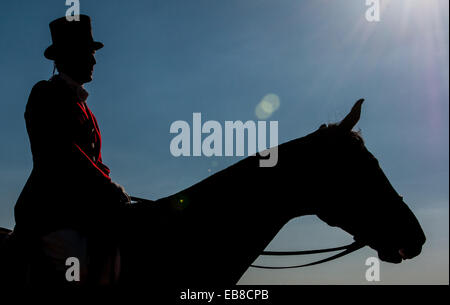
[(347, 249)]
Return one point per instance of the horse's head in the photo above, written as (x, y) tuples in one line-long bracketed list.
[(354, 194)]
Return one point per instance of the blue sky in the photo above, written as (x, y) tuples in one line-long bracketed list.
[(164, 60)]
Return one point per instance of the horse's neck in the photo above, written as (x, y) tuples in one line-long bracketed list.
[(239, 210), (246, 190), (300, 178)]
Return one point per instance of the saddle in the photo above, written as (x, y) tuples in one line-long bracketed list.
[(23, 263)]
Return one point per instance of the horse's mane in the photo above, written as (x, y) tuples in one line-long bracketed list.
[(334, 128), (308, 146)]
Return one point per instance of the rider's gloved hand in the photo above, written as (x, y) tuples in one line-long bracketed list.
[(120, 193)]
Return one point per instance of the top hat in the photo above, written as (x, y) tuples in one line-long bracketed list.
[(71, 35)]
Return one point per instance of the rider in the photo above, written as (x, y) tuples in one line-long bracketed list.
[(68, 207)]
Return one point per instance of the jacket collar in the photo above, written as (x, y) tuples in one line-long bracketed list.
[(78, 89)]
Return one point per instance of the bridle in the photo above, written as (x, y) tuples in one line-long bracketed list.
[(347, 249)]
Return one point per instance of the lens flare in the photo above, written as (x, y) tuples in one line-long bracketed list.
[(267, 106)]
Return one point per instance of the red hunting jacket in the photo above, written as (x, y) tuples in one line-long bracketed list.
[(69, 186)]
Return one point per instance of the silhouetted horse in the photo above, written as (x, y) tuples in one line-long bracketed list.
[(215, 229), (210, 233)]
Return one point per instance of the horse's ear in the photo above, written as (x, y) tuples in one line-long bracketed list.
[(353, 117)]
